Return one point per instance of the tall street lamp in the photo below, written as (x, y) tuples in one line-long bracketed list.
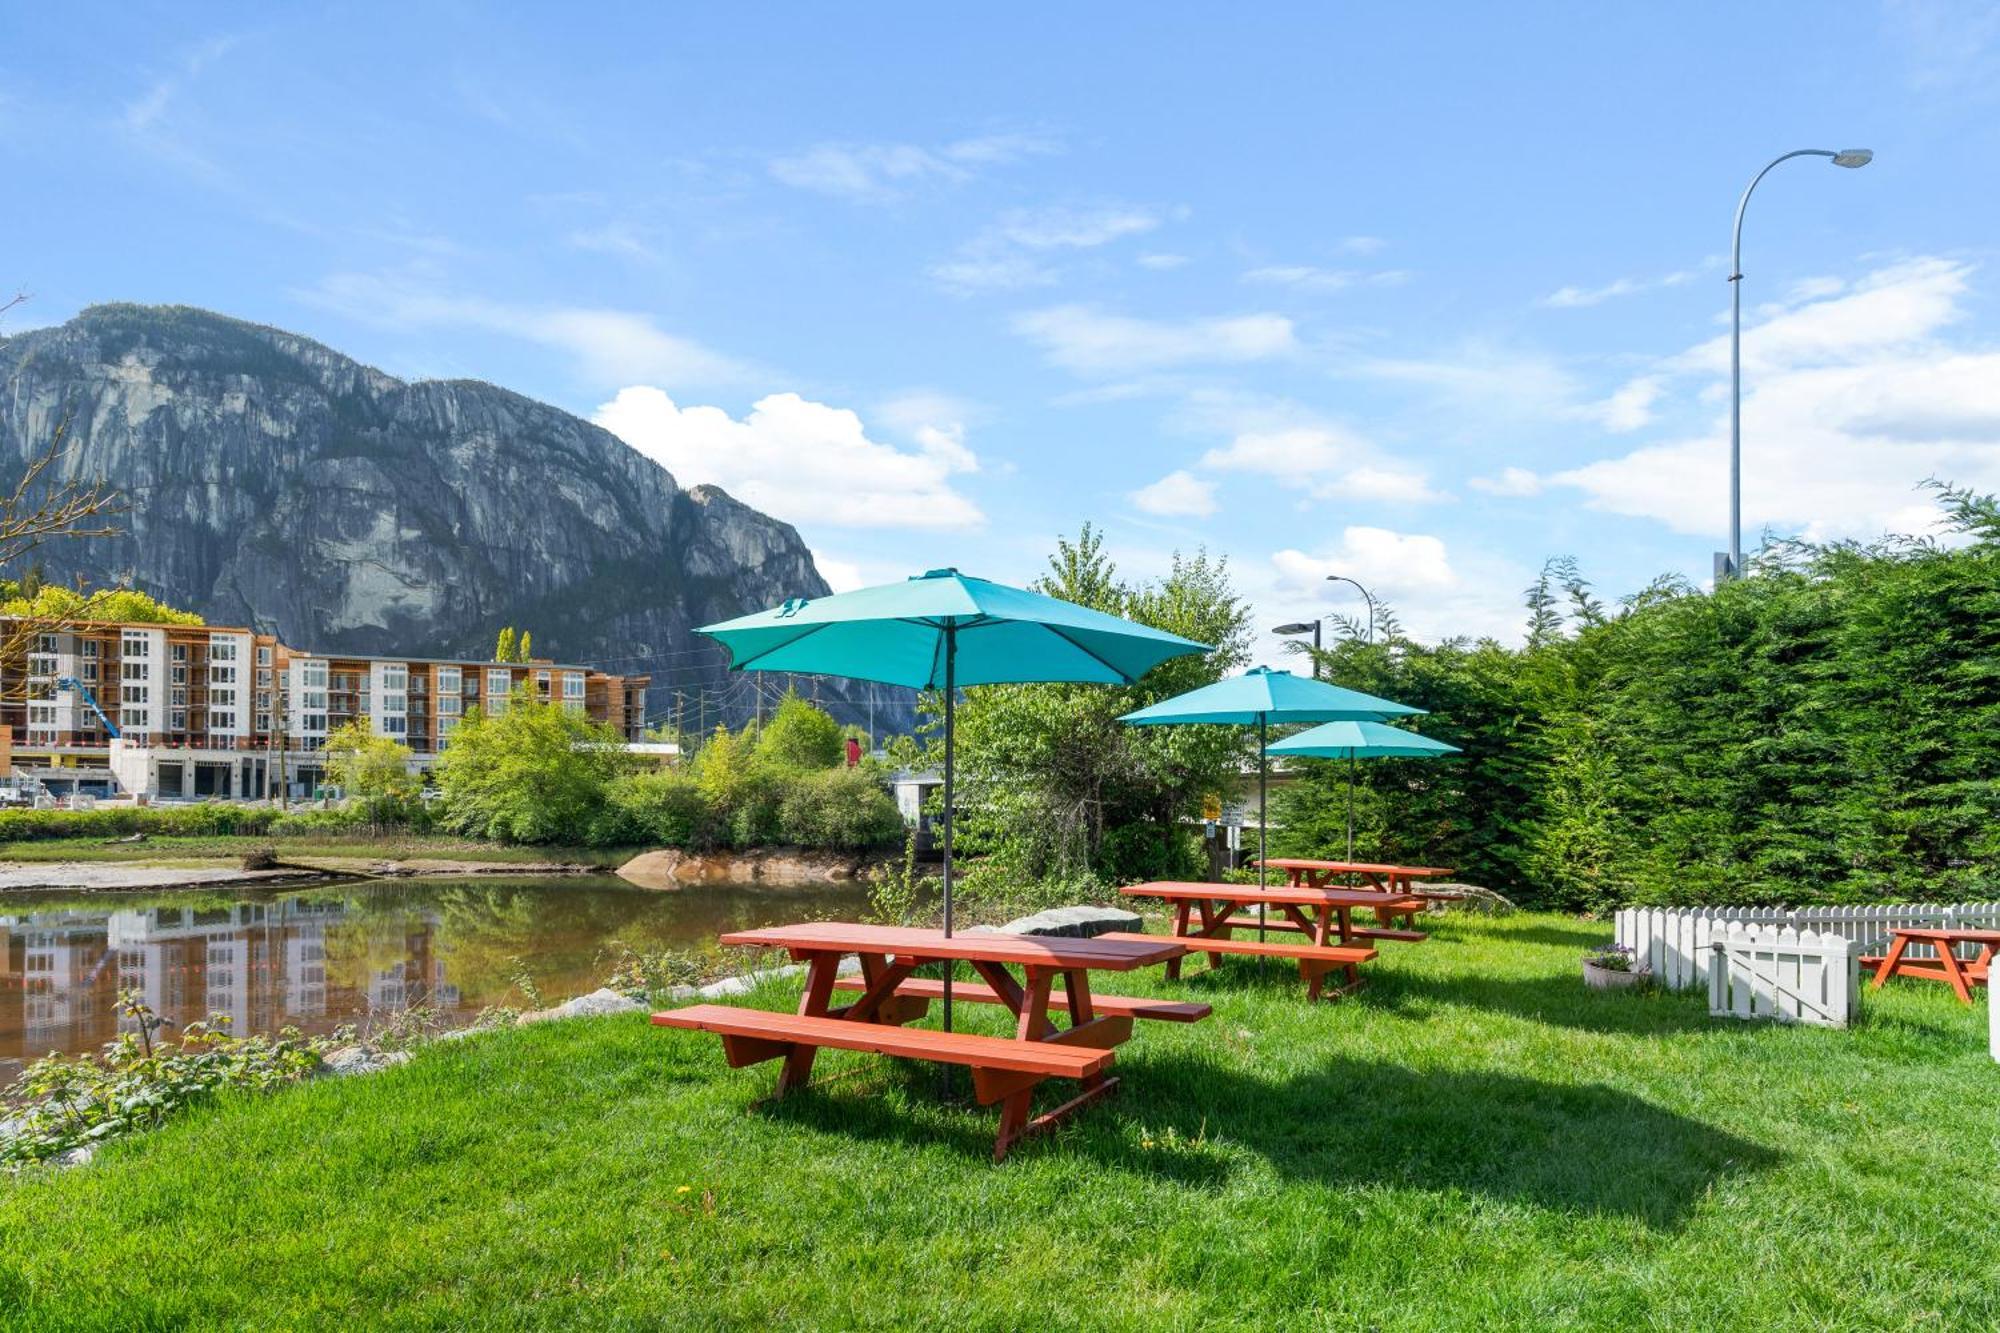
[(1366, 596), (1302, 627), (1732, 564)]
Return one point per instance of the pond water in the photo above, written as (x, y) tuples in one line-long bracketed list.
[(320, 957)]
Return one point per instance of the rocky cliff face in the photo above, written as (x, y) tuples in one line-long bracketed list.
[(278, 484)]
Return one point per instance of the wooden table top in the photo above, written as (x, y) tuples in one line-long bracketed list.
[(1351, 867), (1277, 895), (975, 946), (1955, 934)]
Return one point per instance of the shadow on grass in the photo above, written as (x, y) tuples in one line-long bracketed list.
[(1578, 1147), (1584, 1148), (1581, 936), (1559, 998)]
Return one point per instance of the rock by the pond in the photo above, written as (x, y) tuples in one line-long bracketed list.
[(361, 1060), (78, 1156), (601, 1001), (1081, 922)]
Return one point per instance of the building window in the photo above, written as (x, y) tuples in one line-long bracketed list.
[(263, 654), (133, 671), (395, 726), (133, 719), (222, 675), (312, 722), (180, 675), (90, 671), (263, 680), (499, 684), (221, 721), (396, 677), (315, 675), (572, 684), (263, 721), (179, 720), (395, 703), (90, 647), (180, 653), (222, 650), (447, 679), (222, 698), (136, 645), (448, 704), (135, 694), (178, 698)]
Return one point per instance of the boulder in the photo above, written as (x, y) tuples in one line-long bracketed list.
[(601, 1001), (359, 1059), (1080, 922)]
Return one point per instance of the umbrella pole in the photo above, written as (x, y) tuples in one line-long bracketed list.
[(1263, 809), (1350, 805), (950, 740)]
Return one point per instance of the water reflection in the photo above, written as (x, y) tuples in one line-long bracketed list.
[(324, 957)]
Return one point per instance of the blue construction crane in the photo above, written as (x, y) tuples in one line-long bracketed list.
[(72, 683)]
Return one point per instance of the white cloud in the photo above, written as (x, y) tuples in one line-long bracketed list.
[(1090, 341), (609, 346), (1177, 495), (1309, 278), (1511, 481), (145, 111), (1413, 572), (1011, 253), (1629, 407), (1362, 245), (840, 575), (1321, 462), (1888, 309), (1852, 401), (876, 172), (805, 462), (1162, 260), (1481, 379), (1574, 298)]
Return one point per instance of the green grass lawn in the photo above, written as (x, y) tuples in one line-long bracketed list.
[(231, 847), (1475, 1142)]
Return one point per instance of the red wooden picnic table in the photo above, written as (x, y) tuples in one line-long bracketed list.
[(1962, 973), (1004, 1069), (1309, 872), (1325, 916)]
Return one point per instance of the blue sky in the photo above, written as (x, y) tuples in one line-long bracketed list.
[(1324, 289)]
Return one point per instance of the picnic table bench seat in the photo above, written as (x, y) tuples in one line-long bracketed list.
[(750, 1036), (1314, 960), (1353, 932), (972, 992)]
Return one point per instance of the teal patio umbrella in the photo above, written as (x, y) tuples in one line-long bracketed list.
[(1259, 697), (942, 631), (1360, 740)]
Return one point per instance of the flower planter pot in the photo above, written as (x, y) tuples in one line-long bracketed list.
[(1604, 978)]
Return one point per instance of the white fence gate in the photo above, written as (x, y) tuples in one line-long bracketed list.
[(1778, 972), (1674, 943)]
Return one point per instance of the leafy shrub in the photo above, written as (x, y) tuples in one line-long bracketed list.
[(840, 808), (176, 821), (800, 737), (663, 807), (136, 1083)]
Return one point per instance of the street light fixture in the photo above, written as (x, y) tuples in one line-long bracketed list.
[(1730, 565), (1302, 627), (1366, 596)]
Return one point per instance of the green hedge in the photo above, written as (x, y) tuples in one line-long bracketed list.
[(176, 821)]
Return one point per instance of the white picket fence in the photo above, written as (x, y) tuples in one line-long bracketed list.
[(1777, 972), (1674, 943)]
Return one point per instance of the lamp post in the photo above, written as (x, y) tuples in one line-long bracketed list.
[(1300, 627), (1366, 596), (1731, 565)]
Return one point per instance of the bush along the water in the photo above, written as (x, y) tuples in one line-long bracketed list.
[(171, 821), (140, 1079)]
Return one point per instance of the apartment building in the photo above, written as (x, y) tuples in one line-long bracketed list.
[(184, 711)]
